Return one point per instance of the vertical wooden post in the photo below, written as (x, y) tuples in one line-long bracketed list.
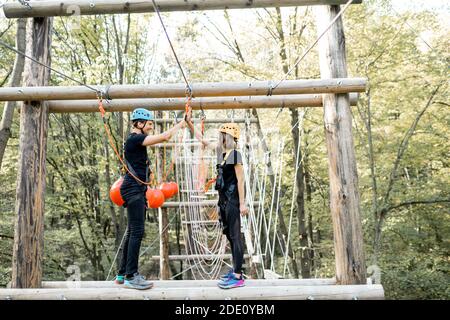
[(344, 195), (163, 218), (29, 223), (252, 266)]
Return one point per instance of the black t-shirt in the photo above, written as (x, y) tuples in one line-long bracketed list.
[(229, 174), (136, 156)]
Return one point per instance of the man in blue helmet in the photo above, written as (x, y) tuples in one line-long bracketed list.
[(133, 193)]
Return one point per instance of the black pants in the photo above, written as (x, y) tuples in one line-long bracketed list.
[(230, 216), (133, 237)]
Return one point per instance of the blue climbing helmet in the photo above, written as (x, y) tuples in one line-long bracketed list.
[(141, 114)]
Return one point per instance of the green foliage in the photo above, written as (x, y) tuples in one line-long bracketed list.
[(416, 276)]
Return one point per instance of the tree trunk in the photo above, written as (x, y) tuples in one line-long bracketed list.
[(305, 262), (29, 224), (16, 79), (308, 190), (344, 195)]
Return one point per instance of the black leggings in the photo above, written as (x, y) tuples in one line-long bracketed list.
[(231, 222), (133, 237)]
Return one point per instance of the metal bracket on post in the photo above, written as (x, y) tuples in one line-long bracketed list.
[(25, 4)]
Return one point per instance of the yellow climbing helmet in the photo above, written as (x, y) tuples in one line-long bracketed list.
[(231, 128)]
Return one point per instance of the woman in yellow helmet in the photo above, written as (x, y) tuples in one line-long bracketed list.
[(230, 185)]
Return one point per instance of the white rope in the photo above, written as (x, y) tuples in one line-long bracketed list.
[(268, 228), (294, 190), (276, 212)]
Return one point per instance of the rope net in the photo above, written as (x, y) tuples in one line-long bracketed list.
[(204, 242)]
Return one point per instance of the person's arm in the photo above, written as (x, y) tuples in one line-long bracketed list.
[(240, 178), (163, 137), (198, 135)]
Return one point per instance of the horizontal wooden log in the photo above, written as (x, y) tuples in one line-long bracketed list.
[(185, 257), (178, 90), (90, 7), (211, 120), (175, 144), (201, 222), (207, 103), (175, 204), (189, 283), (189, 144), (328, 292)]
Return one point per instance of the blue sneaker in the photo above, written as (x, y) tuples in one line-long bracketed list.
[(227, 276), (231, 283), (138, 282), (119, 279)]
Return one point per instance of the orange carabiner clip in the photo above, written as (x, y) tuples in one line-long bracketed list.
[(100, 107), (100, 104)]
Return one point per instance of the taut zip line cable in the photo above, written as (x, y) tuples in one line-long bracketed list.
[(308, 50), (48, 67)]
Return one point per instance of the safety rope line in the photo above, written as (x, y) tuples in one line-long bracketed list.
[(294, 192), (157, 237), (189, 89), (48, 67), (117, 253), (188, 86), (272, 88)]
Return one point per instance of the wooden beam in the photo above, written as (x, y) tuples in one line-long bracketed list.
[(189, 283), (178, 104), (201, 222), (29, 224), (344, 196), (174, 144), (90, 7), (178, 90), (269, 274), (174, 204), (187, 144), (194, 257), (211, 120), (196, 292)]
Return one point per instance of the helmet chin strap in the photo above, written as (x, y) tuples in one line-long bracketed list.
[(142, 129)]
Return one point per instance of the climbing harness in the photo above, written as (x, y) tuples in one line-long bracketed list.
[(111, 142)]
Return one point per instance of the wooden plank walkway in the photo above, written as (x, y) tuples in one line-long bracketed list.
[(280, 289)]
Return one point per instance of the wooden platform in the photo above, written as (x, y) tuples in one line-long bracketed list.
[(285, 289)]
